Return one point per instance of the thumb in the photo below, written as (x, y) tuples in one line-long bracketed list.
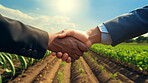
[(62, 35), (65, 33)]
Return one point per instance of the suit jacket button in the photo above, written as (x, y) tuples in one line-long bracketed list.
[(29, 52), (23, 50), (34, 53)]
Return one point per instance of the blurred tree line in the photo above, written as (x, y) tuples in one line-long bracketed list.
[(140, 39)]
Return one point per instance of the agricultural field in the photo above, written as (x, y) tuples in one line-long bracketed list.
[(132, 54), (102, 64)]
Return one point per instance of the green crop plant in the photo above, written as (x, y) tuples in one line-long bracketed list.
[(79, 64), (63, 63), (88, 53), (0, 79), (3, 61), (23, 62), (30, 61), (83, 76), (15, 56), (131, 54), (9, 56), (95, 60), (114, 75), (81, 70), (12, 71), (6, 58), (77, 61), (102, 67), (47, 53), (60, 78), (103, 70)]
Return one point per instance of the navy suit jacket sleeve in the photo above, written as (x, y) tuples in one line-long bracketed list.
[(128, 26)]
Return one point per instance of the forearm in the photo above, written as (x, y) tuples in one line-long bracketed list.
[(22, 39)]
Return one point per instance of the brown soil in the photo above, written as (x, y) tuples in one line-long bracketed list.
[(99, 71), (48, 72), (125, 73), (85, 77), (65, 69), (29, 75)]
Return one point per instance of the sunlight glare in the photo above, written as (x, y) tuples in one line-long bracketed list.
[(67, 6)]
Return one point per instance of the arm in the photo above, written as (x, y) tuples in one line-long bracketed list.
[(21, 39), (122, 28), (128, 26), (119, 29)]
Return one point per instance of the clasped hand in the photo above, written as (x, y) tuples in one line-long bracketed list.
[(69, 45)]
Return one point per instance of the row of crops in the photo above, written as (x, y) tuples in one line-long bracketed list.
[(7, 63), (132, 54)]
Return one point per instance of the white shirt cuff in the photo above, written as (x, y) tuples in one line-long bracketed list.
[(103, 28), (105, 37)]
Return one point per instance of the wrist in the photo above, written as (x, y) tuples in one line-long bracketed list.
[(94, 36), (50, 38)]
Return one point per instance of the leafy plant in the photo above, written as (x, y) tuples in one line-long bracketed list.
[(63, 63), (23, 62), (95, 60), (0, 79), (8, 58), (16, 57), (81, 70), (83, 76), (10, 63), (77, 61), (79, 64), (132, 54), (30, 61), (60, 78), (114, 75), (102, 67)]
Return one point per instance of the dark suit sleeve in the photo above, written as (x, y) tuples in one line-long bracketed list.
[(21, 39), (128, 26)]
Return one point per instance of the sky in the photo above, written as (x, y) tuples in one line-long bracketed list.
[(56, 15)]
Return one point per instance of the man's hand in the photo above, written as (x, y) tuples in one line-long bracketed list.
[(69, 46), (88, 37)]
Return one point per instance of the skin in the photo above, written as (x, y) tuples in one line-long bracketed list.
[(68, 48), (88, 37)]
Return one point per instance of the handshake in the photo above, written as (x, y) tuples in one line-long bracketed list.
[(69, 45)]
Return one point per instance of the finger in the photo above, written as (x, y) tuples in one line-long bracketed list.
[(79, 52), (62, 35), (66, 33), (82, 47), (53, 53), (68, 60), (59, 54), (64, 57), (74, 56)]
